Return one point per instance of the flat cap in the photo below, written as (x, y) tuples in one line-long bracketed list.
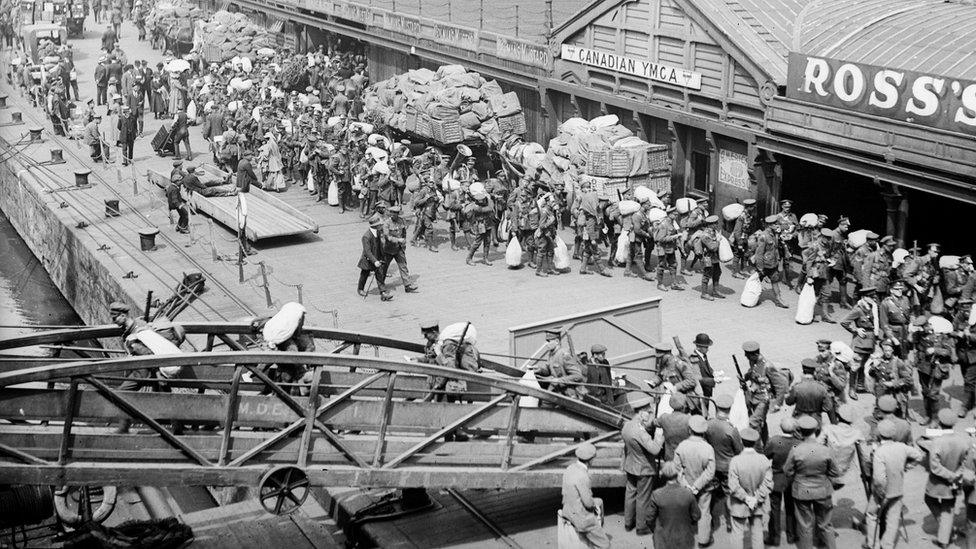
[(846, 413), (430, 324), (947, 418), (808, 364), (711, 219), (697, 424), (807, 423), (375, 220), (750, 346), (586, 451), (598, 348), (724, 401), (887, 403), (886, 429), (118, 307), (787, 424), (772, 218), (177, 163), (678, 402), (749, 434), (663, 346)]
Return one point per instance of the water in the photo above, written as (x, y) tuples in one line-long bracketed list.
[(28, 297)]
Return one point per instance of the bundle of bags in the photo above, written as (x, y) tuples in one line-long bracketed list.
[(449, 105), (170, 12), (233, 34)]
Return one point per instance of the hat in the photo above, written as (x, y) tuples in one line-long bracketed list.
[(750, 347), (697, 424), (118, 307), (807, 423), (585, 451), (772, 218), (823, 341), (888, 239), (553, 334), (429, 324), (749, 434), (808, 364), (97, 116), (703, 339), (787, 424), (395, 208), (641, 402), (375, 220), (899, 283), (711, 219), (867, 290), (786, 202), (827, 232), (662, 347), (947, 418), (846, 413), (598, 348), (886, 429), (724, 401), (678, 402), (872, 235), (887, 403), (177, 163), (749, 202), (934, 245), (888, 342)]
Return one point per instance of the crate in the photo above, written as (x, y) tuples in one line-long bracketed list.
[(212, 53), (423, 126), (658, 181), (598, 162), (514, 124), (605, 187), (619, 161), (446, 131), (659, 158)]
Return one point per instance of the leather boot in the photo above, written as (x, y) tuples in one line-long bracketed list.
[(453, 241), (540, 264), (584, 270), (577, 244), (551, 263), (628, 268), (776, 296), (704, 291), (487, 261), (470, 257)]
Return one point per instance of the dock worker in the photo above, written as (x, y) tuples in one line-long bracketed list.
[(599, 376), (135, 379), (93, 136), (750, 485), (175, 203), (561, 372), (640, 452), (580, 508)]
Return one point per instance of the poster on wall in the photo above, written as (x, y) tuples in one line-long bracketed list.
[(733, 169)]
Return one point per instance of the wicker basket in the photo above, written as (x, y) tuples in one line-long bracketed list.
[(423, 126), (446, 131), (598, 162), (659, 158), (604, 186), (658, 181), (514, 124)]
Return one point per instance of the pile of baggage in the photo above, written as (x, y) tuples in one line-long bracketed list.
[(227, 35), (448, 106), (166, 13)]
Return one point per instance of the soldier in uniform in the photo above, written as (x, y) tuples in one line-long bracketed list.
[(430, 330), (395, 247), (958, 282), (965, 337), (545, 236), (580, 508), (724, 438), (758, 387), (671, 368), (892, 376), (832, 373), (877, 266), (527, 221), (706, 376), (696, 460), (745, 226), (889, 463), (862, 323), (481, 210), (562, 372), (750, 485), (887, 410), (691, 224), (767, 258), (591, 230), (777, 450), (674, 424), (933, 355), (840, 263), (816, 263), (946, 456), (808, 396), (425, 204), (666, 238), (711, 266), (787, 224), (895, 314), (811, 468), (640, 454)]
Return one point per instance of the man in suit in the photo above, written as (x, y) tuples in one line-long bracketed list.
[(101, 82), (809, 397), (696, 459), (888, 485), (128, 130), (777, 450), (699, 361), (811, 468), (213, 126), (750, 484), (946, 456), (371, 260), (580, 508), (640, 451), (724, 438), (674, 512), (674, 425)]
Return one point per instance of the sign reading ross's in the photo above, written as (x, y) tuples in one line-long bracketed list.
[(909, 96), (637, 67)]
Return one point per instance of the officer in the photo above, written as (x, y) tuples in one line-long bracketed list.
[(887, 409), (811, 468), (808, 396), (861, 323), (672, 369), (395, 246), (933, 355), (724, 438), (711, 266), (895, 312), (892, 376), (889, 462), (598, 375), (745, 226), (750, 485), (777, 450), (640, 452), (696, 460), (768, 259), (946, 456), (787, 224), (675, 425), (580, 508), (965, 338), (706, 376), (562, 372), (758, 386)]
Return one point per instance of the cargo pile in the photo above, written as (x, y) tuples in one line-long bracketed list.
[(448, 106), (167, 13), (227, 35)]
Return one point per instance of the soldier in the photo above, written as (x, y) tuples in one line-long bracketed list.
[(877, 265), (562, 372), (887, 410), (965, 338), (481, 210), (724, 438), (832, 373), (706, 376), (692, 224), (862, 322), (674, 512), (527, 221), (598, 375), (745, 226), (642, 242), (787, 224), (895, 314), (958, 281), (666, 238), (711, 266), (946, 456), (580, 508), (430, 330), (840, 263), (889, 462), (767, 258), (545, 236), (892, 376), (758, 386), (750, 485), (675, 425), (933, 356), (640, 452), (816, 261), (425, 204), (591, 230), (858, 259), (670, 368), (811, 468), (696, 460), (777, 450), (808, 396), (395, 247), (842, 437)]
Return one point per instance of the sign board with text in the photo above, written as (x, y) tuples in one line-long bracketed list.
[(642, 68), (733, 169)]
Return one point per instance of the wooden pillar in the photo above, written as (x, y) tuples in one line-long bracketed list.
[(550, 119), (680, 158), (768, 173), (896, 207), (712, 167)]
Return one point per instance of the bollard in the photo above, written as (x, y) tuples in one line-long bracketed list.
[(16, 117), (147, 238), (81, 178), (112, 208), (57, 156), (3, 102)]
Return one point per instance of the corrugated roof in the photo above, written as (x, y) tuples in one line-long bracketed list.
[(929, 36)]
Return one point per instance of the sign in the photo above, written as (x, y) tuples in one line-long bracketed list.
[(402, 24), (733, 169), (456, 36), (908, 96), (524, 52), (630, 65)]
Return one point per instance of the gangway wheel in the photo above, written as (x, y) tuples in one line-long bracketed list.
[(283, 489)]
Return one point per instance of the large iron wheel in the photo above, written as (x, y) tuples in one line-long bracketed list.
[(283, 489)]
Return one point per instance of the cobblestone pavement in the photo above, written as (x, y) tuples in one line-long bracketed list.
[(492, 298)]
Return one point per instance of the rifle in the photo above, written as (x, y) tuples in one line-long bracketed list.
[(458, 354), (742, 383), (681, 350)]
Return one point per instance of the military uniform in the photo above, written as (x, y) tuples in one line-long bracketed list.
[(640, 452), (643, 240), (966, 353), (562, 368), (833, 375), (759, 387), (666, 239), (545, 237), (482, 213), (711, 266), (893, 377), (425, 204), (863, 342), (673, 369), (745, 226), (750, 482), (808, 397), (895, 315), (946, 456), (777, 450), (933, 354), (724, 438), (696, 460), (811, 468), (675, 428), (887, 486), (395, 249)]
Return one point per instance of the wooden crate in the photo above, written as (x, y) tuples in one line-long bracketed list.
[(446, 131), (658, 181), (514, 124), (659, 157), (598, 162), (423, 126)]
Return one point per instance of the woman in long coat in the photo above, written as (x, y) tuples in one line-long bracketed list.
[(159, 100), (177, 93), (270, 158)]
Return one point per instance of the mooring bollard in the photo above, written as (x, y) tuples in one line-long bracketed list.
[(112, 208), (147, 238), (35, 133), (81, 178), (3, 102), (57, 156)]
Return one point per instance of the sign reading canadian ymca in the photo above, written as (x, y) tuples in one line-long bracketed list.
[(908, 96), (630, 65)]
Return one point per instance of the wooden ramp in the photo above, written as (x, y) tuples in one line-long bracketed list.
[(267, 216)]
